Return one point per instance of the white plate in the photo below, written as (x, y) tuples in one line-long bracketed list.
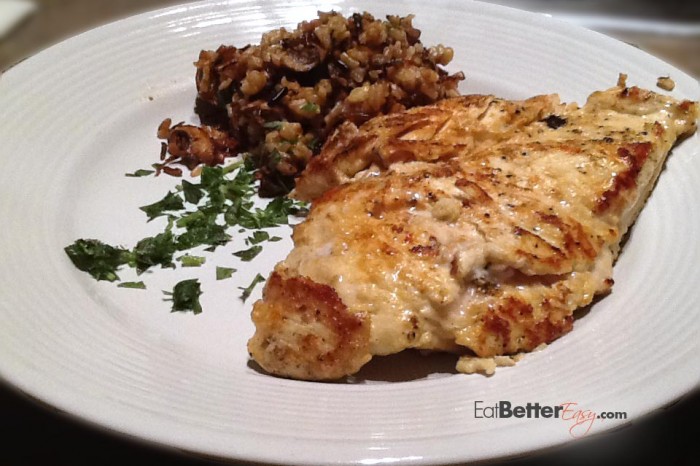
[(78, 116)]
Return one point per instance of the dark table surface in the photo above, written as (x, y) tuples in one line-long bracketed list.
[(31, 433), (35, 434)]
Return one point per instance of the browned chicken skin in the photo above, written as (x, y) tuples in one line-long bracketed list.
[(474, 224), (430, 134)]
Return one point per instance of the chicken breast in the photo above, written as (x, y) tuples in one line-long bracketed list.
[(492, 225), (452, 127)]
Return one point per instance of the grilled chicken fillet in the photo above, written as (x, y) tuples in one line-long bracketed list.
[(474, 224)]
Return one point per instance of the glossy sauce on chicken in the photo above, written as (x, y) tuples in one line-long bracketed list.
[(476, 224)]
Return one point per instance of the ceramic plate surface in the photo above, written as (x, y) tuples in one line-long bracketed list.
[(79, 115)]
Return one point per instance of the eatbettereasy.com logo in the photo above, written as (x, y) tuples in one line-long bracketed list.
[(579, 421)]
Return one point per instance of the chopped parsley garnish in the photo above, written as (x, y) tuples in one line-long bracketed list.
[(155, 250), (185, 296), (274, 214), (134, 285), (192, 192), (140, 173), (222, 273), (191, 261), (203, 233), (171, 202), (198, 217), (247, 291), (97, 258), (198, 214), (247, 255), (277, 212), (258, 237)]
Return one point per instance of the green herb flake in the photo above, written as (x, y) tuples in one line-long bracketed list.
[(97, 258), (275, 158), (185, 296), (258, 237), (133, 285), (139, 173), (273, 124), (248, 255), (213, 183), (299, 208), (155, 250), (276, 212), (222, 273), (247, 291), (211, 177), (211, 234), (274, 239), (237, 212), (241, 187), (171, 202), (314, 145), (197, 217), (192, 192), (171, 222), (235, 166), (310, 107), (191, 261)]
